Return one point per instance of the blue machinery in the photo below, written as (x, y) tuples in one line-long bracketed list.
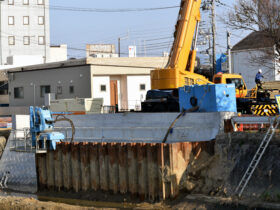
[(42, 128)]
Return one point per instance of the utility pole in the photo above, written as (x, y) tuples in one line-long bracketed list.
[(229, 52), (145, 48), (210, 57), (213, 35), (119, 42), (119, 45)]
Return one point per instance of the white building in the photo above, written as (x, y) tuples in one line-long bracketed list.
[(25, 33), (122, 81), (24, 28), (58, 53), (250, 55)]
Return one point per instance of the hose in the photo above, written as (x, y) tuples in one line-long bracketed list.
[(193, 109), (63, 118)]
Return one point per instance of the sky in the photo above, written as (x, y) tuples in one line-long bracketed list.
[(152, 29)]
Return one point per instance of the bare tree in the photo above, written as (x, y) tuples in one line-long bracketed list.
[(263, 16)]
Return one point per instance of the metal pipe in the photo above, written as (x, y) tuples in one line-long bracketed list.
[(196, 35)]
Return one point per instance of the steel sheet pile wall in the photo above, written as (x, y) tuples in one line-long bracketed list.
[(149, 171)]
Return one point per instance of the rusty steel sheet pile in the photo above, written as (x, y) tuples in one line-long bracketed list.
[(147, 171)]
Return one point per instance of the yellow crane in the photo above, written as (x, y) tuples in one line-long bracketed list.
[(180, 68)]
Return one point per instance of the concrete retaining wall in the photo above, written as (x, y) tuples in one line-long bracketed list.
[(149, 171), (146, 127)]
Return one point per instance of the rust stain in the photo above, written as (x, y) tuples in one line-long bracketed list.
[(123, 172), (104, 168), (41, 171), (58, 167), (142, 171), (122, 154), (84, 147), (94, 166), (66, 165), (74, 150), (113, 168)]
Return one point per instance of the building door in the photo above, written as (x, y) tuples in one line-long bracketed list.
[(114, 92)]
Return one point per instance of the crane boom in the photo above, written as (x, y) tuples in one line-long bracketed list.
[(180, 68)]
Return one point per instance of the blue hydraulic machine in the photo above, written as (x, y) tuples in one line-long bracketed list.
[(42, 129)]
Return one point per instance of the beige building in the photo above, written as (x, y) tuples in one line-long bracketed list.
[(101, 51), (122, 81)]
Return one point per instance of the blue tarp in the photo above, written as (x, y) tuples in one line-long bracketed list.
[(221, 58)]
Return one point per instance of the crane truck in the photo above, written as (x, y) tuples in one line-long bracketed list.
[(179, 71)]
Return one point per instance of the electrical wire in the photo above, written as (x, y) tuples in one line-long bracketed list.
[(95, 10), (165, 46)]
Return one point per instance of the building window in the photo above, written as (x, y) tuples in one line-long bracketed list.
[(11, 20), (18, 92), (103, 88), (41, 2), (25, 2), (26, 40), (10, 2), (45, 89), (11, 40), (4, 88), (41, 40), (26, 20), (41, 20), (142, 86), (71, 89), (59, 90)]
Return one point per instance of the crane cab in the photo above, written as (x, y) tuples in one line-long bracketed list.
[(240, 85)]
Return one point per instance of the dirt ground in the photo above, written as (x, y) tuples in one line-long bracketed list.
[(28, 203), (23, 203), (32, 204), (191, 202)]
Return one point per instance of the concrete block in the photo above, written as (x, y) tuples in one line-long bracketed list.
[(20, 122)]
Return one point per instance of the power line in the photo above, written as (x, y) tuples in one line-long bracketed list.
[(97, 10), (148, 40)]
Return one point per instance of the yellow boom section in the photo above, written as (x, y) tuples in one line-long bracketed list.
[(180, 68)]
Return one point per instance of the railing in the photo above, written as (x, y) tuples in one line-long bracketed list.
[(134, 105), (21, 141), (108, 109)]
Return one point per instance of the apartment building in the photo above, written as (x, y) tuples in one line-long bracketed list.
[(25, 31)]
